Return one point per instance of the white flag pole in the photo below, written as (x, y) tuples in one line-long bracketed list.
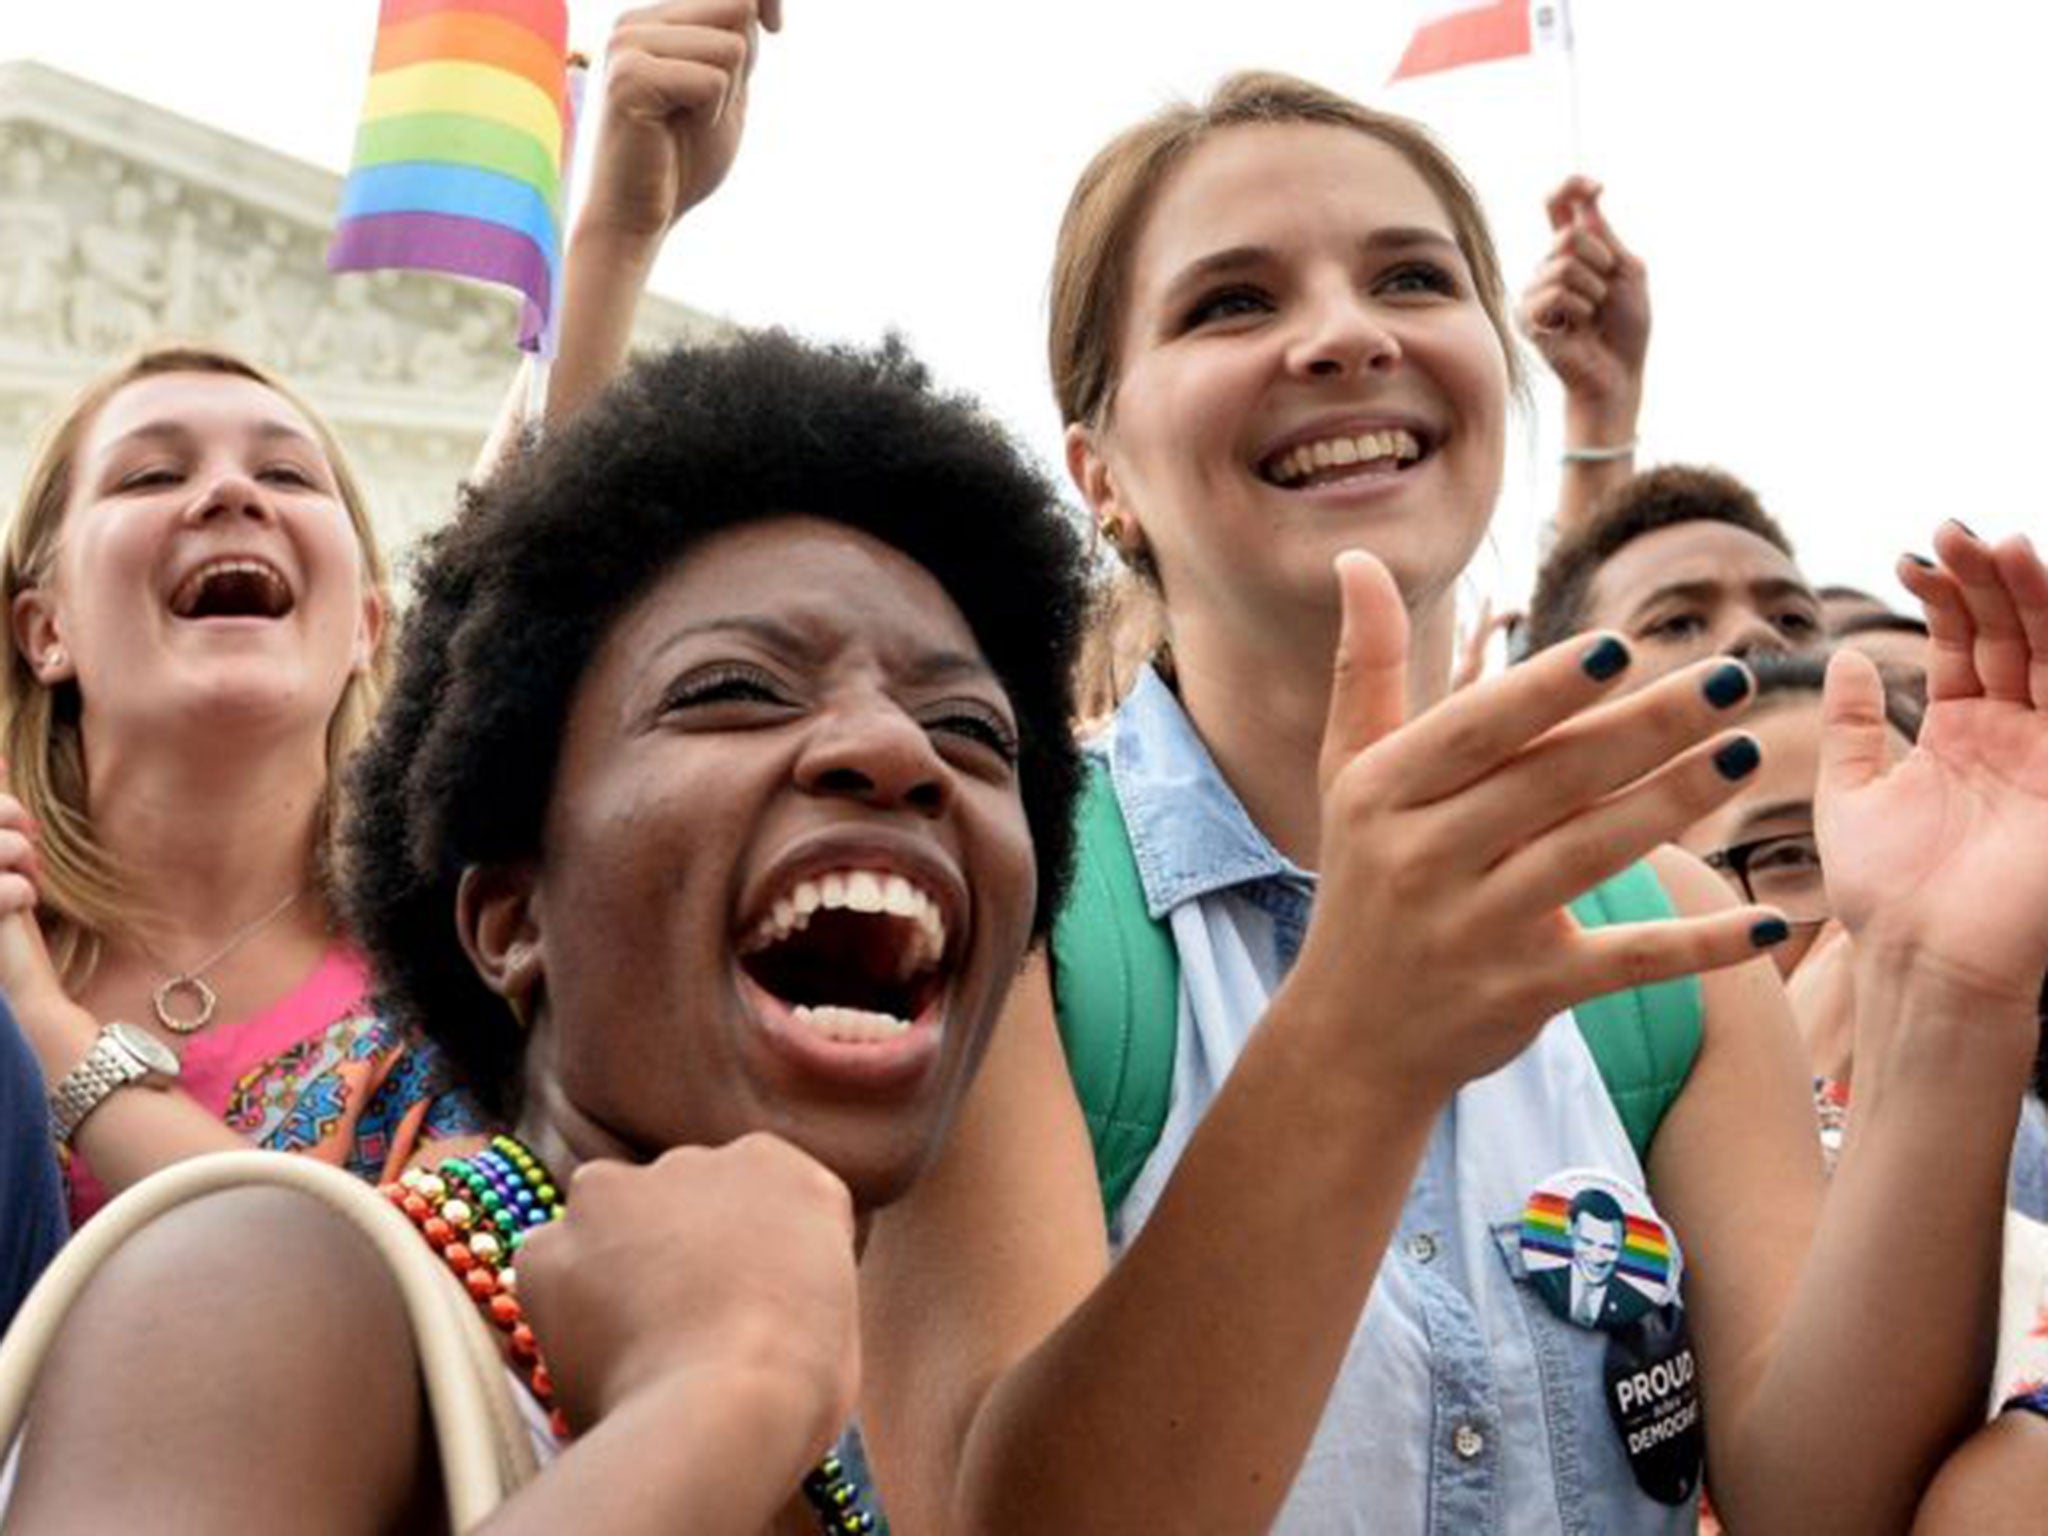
[(1552, 20), (541, 362)]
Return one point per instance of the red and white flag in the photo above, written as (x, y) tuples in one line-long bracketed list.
[(1451, 33)]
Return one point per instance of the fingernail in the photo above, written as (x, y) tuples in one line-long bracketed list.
[(1958, 522), (1738, 759), (1726, 685), (1922, 561), (1605, 659), (1771, 930)]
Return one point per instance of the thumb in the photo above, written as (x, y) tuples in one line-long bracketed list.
[(1369, 680), (1852, 747)]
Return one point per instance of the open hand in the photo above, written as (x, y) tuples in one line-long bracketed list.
[(1451, 845), (1942, 859), (674, 106)]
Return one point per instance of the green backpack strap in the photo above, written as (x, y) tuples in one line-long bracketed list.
[(1643, 1039), (1116, 989)]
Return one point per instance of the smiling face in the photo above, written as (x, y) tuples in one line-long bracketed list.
[(1305, 367), (1596, 1247), (206, 570), (1697, 589), (786, 877)]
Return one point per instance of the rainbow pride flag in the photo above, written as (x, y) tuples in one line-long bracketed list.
[(1645, 1248), (459, 160)]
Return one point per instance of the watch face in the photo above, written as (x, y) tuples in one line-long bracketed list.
[(145, 1048)]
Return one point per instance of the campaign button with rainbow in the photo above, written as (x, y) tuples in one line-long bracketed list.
[(1596, 1250)]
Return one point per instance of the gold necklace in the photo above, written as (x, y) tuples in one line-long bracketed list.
[(190, 983)]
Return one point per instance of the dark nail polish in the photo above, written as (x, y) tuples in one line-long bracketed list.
[(1738, 759), (1922, 561), (1771, 930), (1965, 527), (1604, 659), (1726, 685)]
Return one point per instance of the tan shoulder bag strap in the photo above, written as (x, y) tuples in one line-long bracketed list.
[(485, 1449)]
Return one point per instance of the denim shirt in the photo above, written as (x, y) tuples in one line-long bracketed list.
[(1463, 1405)]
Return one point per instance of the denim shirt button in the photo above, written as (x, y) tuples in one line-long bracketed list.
[(1467, 1442), (1422, 1247)]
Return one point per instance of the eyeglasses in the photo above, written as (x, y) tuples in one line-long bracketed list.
[(1782, 871)]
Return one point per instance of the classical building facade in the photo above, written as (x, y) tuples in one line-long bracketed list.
[(122, 224)]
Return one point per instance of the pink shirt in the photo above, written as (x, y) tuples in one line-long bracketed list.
[(318, 1072)]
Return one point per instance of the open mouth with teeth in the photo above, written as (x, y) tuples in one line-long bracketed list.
[(233, 589), (855, 956), (1332, 460)]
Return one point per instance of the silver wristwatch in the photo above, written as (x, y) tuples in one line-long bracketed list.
[(123, 1054)]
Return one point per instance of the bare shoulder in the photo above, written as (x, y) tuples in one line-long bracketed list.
[(1742, 1002), (243, 1355), (1996, 1485)]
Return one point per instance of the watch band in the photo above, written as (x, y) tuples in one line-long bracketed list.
[(115, 1061)]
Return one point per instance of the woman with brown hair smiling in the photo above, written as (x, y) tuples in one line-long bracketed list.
[(1279, 343)]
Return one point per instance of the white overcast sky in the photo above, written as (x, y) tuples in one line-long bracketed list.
[(1842, 202)]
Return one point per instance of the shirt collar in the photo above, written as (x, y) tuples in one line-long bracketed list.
[(1188, 831)]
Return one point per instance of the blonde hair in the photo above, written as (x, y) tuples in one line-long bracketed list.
[(1091, 278), (85, 892)]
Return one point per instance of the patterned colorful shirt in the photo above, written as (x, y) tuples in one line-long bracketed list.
[(319, 1072)]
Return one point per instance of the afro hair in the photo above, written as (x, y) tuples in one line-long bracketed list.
[(512, 600)]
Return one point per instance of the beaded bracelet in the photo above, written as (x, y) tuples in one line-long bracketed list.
[(476, 1213)]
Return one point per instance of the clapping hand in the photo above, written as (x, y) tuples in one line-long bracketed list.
[(1451, 844), (1940, 862)]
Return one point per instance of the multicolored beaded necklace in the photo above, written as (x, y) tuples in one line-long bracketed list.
[(476, 1212)]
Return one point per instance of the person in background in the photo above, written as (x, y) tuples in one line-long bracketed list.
[(198, 639), (1686, 563)]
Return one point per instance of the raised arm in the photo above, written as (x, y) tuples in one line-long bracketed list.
[(1195, 1371), (1587, 311), (1833, 1389), (674, 106)]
